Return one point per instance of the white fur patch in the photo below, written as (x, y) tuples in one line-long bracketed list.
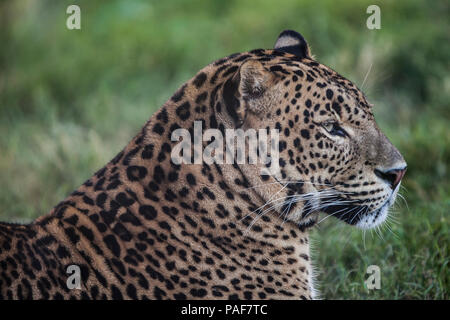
[(313, 273), (286, 41)]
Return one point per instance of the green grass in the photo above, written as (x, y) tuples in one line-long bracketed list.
[(70, 100), (412, 254)]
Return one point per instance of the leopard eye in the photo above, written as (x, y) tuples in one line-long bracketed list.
[(334, 129)]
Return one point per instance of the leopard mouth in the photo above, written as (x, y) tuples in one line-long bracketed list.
[(374, 218), (351, 211), (377, 217), (357, 213), (350, 214)]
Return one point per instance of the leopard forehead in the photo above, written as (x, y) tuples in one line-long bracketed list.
[(295, 78)]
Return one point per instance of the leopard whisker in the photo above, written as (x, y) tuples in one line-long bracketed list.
[(281, 203), (288, 182), (404, 200), (334, 213), (357, 214), (303, 196), (367, 75)]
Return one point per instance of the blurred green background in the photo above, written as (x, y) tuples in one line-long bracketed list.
[(71, 99)]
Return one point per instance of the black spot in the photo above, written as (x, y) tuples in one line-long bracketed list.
[(100, 200), (304, 133), (88, 200), (158, 174), (278, 68), (113, 185), (116, 294), (198, 292), (173, 176), (148, 212), (200, 98), (213, 121), (162, 115), (87, 233), (130, 218), (183, 111), (158, 128), (122, 232), (248, 295), (159, 293), (180, 296), (72, 220), (179, 94), (329, 94), (336, 107), (135, 173), (147, 153), (231, 102), (269, 290), (70, 232), (131, 291), (62, 252), (304, 256), (123, 200), (112, 244), (117, 158), (191, 179), (130, 155)]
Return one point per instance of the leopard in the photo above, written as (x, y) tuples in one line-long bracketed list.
[(147, 227)]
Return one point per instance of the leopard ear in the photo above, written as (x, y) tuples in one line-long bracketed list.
[(243, 92), (254, 79), (293, 42)]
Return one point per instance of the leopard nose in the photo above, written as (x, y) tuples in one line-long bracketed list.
[(391, 176)]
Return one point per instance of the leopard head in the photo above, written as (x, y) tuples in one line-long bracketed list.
[(333, 157)]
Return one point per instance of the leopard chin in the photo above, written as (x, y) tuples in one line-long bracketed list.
[(379, 216)]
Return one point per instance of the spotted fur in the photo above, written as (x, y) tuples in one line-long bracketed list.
[(143, 227)]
